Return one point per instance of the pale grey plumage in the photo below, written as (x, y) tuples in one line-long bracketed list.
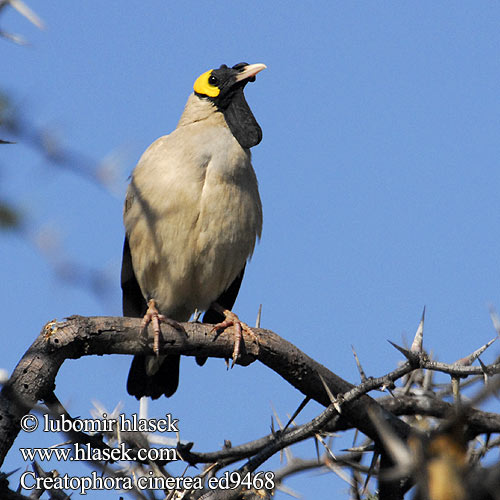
[(192, 217), (192, 213)]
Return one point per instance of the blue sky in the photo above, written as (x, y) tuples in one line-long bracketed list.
[(378, 173)]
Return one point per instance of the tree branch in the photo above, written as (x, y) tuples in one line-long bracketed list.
[(34, 377)]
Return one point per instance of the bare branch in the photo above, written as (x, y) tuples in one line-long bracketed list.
[(34, 377)]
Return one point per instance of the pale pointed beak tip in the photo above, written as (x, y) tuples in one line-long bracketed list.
[(250, 71)]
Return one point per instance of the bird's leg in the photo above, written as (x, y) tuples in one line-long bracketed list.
[(239, 328), (153, 316)]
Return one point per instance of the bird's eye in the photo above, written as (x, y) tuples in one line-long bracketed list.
[(213, 80)]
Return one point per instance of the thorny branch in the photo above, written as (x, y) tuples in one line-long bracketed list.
[(347, 406)]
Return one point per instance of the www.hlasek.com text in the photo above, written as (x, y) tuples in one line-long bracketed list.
[(85, 453)]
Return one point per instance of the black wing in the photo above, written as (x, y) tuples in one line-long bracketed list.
[(133, 302), (166, 379)]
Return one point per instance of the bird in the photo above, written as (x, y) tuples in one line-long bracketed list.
[(192, 217)]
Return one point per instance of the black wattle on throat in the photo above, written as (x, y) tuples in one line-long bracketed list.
[(241, 121)]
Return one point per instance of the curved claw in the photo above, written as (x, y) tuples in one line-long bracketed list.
[(153, 316), (239, 327)]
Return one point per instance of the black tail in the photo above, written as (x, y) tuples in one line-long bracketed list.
[(163, 381)]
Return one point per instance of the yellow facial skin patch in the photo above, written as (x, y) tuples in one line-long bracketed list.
[(201, 85)]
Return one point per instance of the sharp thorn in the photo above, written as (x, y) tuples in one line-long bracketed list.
[(370, 472), (316, 446), (405, 352), (326, 446), (259, 315), (392, 443), (358, 364), (297, 411), (468, 360), (278, 420), (7, 474), (340, 473), (360, 449), (418, 341), (485, 370), (495, 319), (331, 397), (455, 385)]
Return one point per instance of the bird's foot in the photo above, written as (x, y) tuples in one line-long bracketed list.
[(155, 318), (239, 329)]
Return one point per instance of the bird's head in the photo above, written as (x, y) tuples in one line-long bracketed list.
[(224, 88), (220, 85)]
